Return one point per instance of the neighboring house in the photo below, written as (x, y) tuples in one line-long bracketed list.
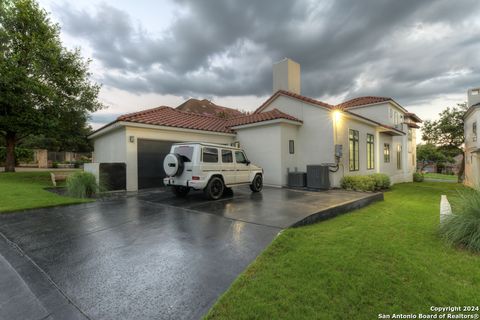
[(472, 146), (445, 168), (285, 134)]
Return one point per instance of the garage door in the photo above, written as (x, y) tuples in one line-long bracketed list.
[(150, 162)]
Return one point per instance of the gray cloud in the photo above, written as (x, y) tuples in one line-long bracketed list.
[(410, 50)]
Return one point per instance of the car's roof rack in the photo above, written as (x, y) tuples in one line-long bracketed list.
[(207, 144)]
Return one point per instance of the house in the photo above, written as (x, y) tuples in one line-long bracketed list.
[(285, 134), (472, 146)]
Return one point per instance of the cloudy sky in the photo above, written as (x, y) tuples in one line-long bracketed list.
[(424, 54)]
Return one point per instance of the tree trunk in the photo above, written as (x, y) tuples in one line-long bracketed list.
[(11, 140), (461, 171)]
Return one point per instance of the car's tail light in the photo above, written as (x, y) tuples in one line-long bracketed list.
[(195, 178)]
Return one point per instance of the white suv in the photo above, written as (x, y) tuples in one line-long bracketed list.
[(209, 167)]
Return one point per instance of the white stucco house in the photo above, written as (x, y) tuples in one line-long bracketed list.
[(472, 146), (285, 134)]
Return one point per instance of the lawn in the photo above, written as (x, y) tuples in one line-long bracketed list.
[(441, 176), (382, 259), (25, 190)]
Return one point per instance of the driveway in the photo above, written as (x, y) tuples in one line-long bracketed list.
[(151, 256)]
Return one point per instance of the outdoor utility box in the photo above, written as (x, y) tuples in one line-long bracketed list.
[(318, 177), (297, 179)]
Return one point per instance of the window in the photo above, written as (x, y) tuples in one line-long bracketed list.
[(240, 157), (353, 156), (474, 131), (185, 152), (399, 157), (210, 155), (227, 156), (370, 151), (386, 152), (291, 146), (410, 134)]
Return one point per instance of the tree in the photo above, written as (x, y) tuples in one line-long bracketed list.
[(429, 153), (447, 133), (42, 84)]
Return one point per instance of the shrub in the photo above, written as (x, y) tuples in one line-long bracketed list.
[(382, 181), (418, 177), (54, 164), (82, 185), (21, 155), (372, 182), (463, 227)]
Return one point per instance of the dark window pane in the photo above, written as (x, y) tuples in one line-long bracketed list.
[(291, 146), (227, 156), (240, 157), (185, 152), (210, 155)]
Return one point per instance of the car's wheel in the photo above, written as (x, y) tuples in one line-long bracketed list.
[(257, 183), (173, 165), (214, 189), (180, 191)]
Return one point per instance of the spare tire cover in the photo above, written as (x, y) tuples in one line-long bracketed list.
[(172, 165)]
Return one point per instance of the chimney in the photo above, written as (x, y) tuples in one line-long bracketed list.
[(286, 76), (473, 96)]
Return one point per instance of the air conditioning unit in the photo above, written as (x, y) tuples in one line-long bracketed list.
[(318, 177), (297, 179)]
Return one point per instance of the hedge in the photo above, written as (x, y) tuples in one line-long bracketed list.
[(418, 177), (371, 182)]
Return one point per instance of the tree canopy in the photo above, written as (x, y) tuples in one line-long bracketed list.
[(44, 86), (447, 133)]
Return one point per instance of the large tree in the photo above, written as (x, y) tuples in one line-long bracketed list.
[(447, 133), (42, 84), (429, 153)]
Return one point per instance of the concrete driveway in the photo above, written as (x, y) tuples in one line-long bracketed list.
[(150, 256)]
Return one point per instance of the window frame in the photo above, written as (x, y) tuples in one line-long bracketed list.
[(370, 151), (212, 148), (474, 131), (231, 154), (353, 150), (244, 156), (386, 152), (399, 157), (291, 146)]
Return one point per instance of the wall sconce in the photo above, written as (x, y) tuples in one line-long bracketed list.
[(131, 139)]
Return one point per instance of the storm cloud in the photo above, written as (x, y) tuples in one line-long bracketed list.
[(410, 50)]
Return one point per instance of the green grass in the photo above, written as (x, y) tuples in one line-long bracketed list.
[(24, 190), (384, 258), (441, 176)]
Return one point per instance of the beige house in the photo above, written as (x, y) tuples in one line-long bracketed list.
[(287, 133), (472, 146)]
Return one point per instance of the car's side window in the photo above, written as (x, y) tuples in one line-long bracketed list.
[(210, 155), (240, 157), (227, 156)]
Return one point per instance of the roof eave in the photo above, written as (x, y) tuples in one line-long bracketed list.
[(266, 122)]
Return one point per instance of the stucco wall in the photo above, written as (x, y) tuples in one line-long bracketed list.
[(378, 112), (263, 147), (111, 147), (472, 166)]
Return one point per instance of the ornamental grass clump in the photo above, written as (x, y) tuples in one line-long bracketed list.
[(82, 185), (462, 228)]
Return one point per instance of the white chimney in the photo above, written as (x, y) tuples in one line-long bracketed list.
[(473, 96), (286, 76)]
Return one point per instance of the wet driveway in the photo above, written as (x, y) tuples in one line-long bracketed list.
[(152, 256)]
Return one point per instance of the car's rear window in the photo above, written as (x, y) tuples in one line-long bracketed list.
[(210, 155), (185, 152)]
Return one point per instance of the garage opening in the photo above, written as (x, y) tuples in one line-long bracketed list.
[(150, 162)]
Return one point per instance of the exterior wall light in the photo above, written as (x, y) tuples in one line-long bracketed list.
[(131, 139)]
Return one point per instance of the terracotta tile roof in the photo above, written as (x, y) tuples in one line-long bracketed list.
[(361, 101), (259, 117), (166, 116), (293, 95)]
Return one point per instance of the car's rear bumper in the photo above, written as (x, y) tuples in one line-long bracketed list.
[(195, 184)]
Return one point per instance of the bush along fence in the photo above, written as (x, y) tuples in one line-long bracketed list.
[(21, 155), (371, 182)]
